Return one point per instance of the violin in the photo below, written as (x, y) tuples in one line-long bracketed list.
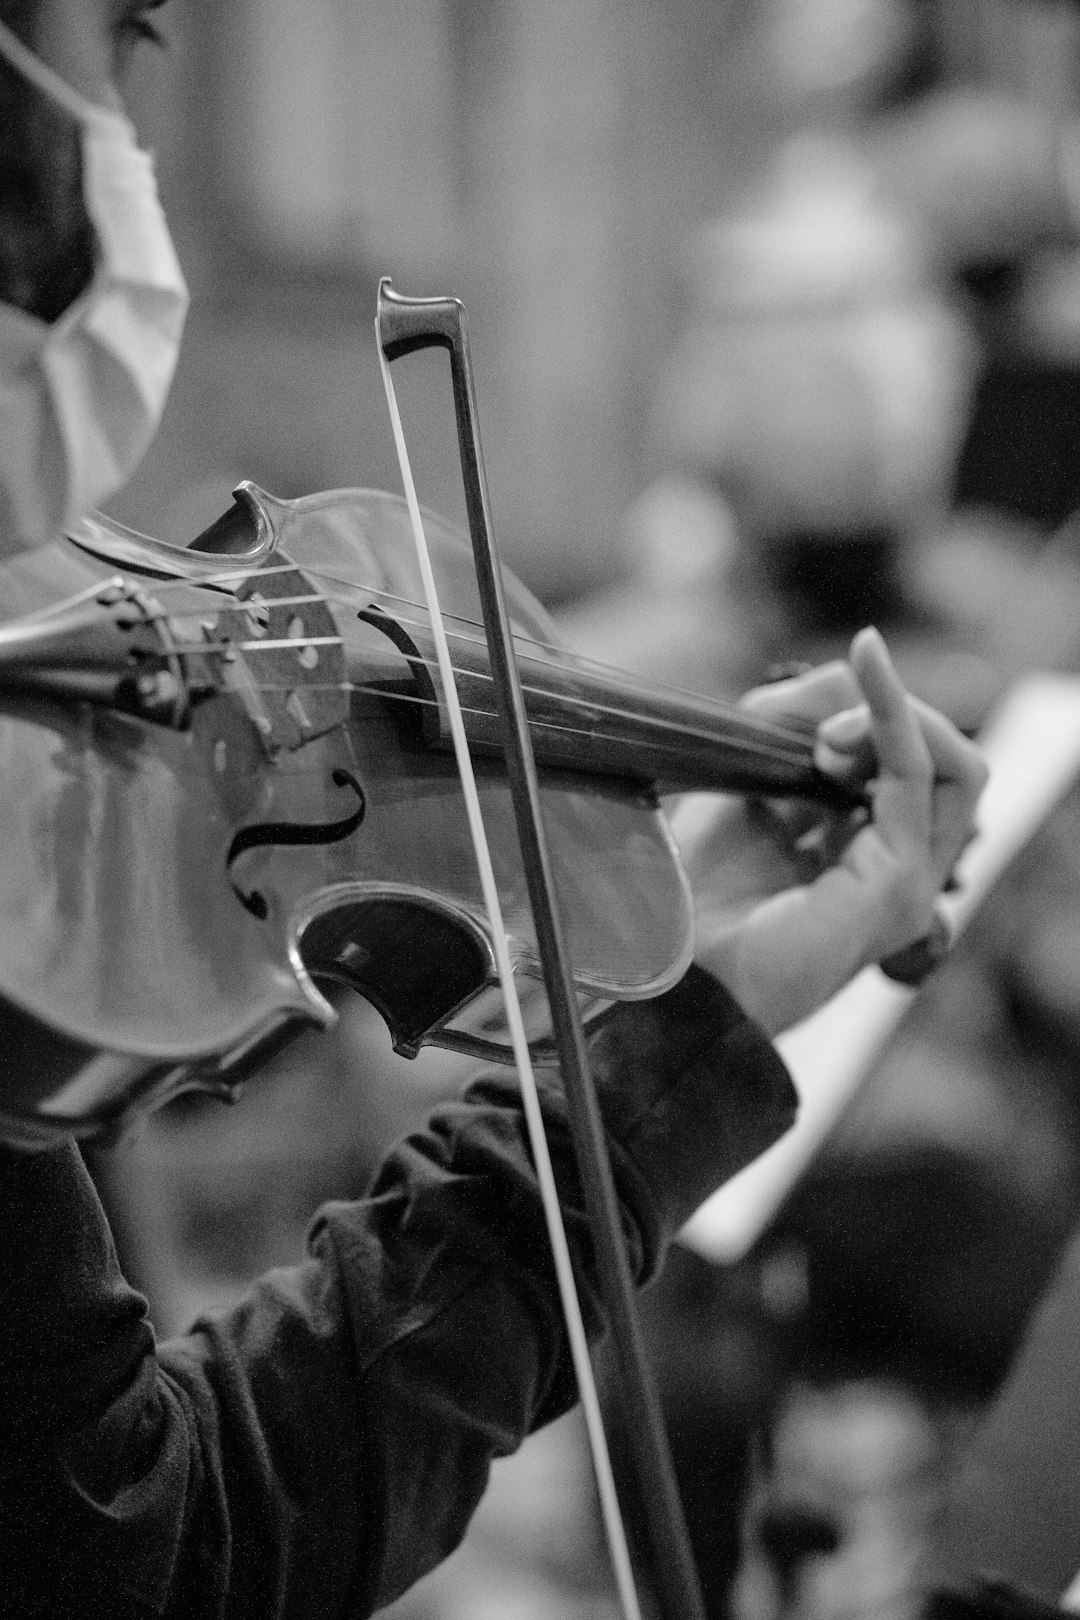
[(227, 783)]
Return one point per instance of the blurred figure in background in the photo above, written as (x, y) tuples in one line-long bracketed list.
[(849, 367), (899, 1283), (820, 382), (819, 1393), (814, 401)]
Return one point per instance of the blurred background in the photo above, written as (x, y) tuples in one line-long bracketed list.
[(775, 315)]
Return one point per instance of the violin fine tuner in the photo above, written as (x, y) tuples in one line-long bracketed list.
[(114, 648)]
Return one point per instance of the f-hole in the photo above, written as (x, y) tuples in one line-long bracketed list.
[(293, 833)]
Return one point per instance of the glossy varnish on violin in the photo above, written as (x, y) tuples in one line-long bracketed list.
[(225, 777)]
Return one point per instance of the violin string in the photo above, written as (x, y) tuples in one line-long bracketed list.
[(219, 578), (748, 746), (271, 644), (754, 747), (799, 741), (548, 727), (779, 735), (621, 679)]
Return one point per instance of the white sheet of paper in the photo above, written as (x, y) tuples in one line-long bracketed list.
[(1032, 744)]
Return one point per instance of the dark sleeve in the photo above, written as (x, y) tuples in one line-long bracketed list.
[(321, 1446), (989, 1599)]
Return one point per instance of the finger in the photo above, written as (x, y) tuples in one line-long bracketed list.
[(811, 697), (904, 781), (930, 775), (955, 757), (845, 745), (846, 730), (901, 747), (960, 774), (892, 723)]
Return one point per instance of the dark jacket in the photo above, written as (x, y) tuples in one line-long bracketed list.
[(315, 1450)]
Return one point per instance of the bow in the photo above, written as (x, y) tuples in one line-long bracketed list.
[(404, 326)]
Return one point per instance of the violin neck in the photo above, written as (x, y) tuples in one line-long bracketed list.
[(590, 722)]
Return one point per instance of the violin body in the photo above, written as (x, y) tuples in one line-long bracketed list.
[(174, 896), (227, 781)]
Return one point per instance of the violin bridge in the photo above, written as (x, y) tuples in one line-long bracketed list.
[(284, 658)]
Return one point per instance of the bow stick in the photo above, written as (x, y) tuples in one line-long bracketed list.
[(404, 326)]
